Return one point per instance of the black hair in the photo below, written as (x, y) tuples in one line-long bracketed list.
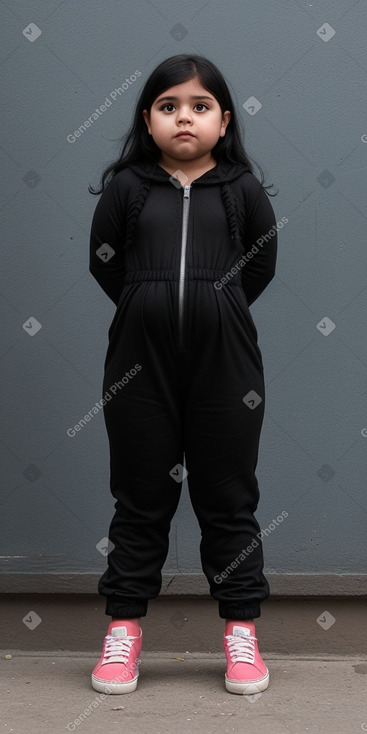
[(139, 146)]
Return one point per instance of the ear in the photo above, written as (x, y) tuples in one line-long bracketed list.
[(147, 120), (225, 120)]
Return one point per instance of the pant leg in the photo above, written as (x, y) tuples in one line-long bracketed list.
[(221, 439), (144, 426)]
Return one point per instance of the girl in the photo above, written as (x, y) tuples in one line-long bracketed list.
[(183, 240)]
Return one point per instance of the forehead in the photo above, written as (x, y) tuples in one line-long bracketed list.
[(188, 90)]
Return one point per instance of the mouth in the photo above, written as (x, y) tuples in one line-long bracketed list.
[(184, 135)]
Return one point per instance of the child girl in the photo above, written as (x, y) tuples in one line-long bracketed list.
[(177, 242)]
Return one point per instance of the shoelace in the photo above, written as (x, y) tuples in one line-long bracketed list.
[(117, 649), (241, 648)]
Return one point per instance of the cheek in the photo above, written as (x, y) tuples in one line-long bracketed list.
[(161, 125)]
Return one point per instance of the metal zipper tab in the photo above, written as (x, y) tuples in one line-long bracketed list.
[(181, 285)]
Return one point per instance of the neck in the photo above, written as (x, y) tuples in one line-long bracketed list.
[(187, 167)]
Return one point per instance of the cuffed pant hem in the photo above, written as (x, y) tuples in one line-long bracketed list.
[(231, 611), (121, 610)]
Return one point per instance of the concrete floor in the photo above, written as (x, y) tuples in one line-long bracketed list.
[(315, 649), (51, 692)]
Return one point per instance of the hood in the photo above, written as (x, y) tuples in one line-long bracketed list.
[(221, 173)]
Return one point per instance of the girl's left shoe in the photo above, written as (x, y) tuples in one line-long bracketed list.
[(246, 670)]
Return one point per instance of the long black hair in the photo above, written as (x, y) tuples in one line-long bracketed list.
[(139, 146)]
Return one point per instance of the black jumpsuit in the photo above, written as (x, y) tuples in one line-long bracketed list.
[(184, 376)]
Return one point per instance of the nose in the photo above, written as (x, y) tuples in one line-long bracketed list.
[(184, 116)]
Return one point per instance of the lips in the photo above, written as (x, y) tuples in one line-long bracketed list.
[(186, 132)]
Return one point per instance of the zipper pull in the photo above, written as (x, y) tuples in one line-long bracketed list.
[(186, 192)]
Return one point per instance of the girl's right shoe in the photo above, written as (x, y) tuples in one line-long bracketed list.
[(117, 670)]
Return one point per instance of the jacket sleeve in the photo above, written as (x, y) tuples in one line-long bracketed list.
[(260, 243), (107, 235)]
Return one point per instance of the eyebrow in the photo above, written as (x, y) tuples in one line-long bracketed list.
[(174, 99)]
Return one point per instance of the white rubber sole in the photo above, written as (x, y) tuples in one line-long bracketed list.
[(112, 687), (233, 686)]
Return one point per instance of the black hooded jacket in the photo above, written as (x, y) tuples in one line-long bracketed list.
[(148, 226)]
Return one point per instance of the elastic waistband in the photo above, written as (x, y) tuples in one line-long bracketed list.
[(136, 276)]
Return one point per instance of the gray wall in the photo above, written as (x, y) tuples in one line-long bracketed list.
[(310, 135)]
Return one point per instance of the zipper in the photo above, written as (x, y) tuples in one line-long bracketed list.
[(181, 285)]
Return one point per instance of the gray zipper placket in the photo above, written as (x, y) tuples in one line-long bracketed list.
[(181, 285)]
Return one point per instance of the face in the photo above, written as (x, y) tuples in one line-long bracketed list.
[(189, 107)]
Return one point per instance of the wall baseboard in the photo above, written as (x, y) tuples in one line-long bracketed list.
[(177, 584)]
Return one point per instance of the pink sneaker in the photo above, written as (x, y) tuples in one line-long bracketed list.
[(246, 671), (117, 670)]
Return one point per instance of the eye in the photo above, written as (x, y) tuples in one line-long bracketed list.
[(170, 104)]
